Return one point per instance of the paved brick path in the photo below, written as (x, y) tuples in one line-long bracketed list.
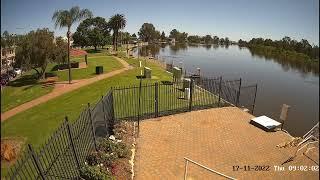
[(62, 88), (218, 138)]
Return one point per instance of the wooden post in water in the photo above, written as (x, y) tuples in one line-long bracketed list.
[(284, 114)]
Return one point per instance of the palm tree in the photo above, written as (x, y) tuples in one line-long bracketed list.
[(116, 23), (65, 18)]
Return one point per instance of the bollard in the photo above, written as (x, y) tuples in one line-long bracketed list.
[(284, 114)]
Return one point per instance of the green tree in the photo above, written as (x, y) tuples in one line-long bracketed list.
[(226, 41), (215, 40), (60, 51), (66, 18), (8, 40), (36, 50), (148, 32), (163, 36), (194, 39), (221, 41), (92, 32), (208, 39), (116, 23), (174, 33)]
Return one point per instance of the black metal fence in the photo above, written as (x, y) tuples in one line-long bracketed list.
[(65, 151)]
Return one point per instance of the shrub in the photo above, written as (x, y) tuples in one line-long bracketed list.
[(100, 157), (50, 74), (94, 173), (109, 146), (74, 64)]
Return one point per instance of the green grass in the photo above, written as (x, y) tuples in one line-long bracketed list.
[(27, 87), (109, 64), (21, 91)]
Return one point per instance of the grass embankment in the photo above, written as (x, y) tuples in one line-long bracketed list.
[(27, 87)]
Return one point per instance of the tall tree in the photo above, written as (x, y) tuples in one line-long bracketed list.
[(163, 36), (66, 18), (116, 23), (147, 32), (36, 50), (92, 32), (208, 39), (215, 40), (194, 39)]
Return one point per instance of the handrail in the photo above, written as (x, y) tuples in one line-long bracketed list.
[(206, 168), (311, 130)]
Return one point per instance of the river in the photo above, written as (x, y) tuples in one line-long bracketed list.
[(279, 81)]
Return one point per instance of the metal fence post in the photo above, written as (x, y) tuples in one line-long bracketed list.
[(112, 112), (191, 92), (104, 113), (92, 128), (254, 100), (156, 101), (139, 104), (36, 161), (220, 81), (238, 94), (72, 143)]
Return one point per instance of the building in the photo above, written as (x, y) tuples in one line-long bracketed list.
[(172, 40), (7, 59)]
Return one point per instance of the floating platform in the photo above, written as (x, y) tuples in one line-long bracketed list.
[(265, 123)]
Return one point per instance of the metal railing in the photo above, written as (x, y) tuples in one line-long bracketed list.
[(204, 167)]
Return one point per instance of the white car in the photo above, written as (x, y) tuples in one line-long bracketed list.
[(18, 71)]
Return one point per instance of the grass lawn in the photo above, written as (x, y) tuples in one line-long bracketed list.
[(109, 64), (27, 87), (20, 91)]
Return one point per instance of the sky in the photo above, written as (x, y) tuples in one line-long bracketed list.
[(235, 19)]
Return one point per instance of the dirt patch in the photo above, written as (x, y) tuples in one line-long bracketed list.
[(82, 65), (11, 149), (121, 169)]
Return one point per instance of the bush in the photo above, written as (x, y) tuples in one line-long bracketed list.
[(74, 64), (96, 158), (94, 173), (50, 74), (109, 146)]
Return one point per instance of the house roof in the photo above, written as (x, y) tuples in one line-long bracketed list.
[(77, 52)]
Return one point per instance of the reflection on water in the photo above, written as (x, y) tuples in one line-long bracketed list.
[(303, 67), (279, 80)]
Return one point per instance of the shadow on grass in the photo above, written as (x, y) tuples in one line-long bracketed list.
[(91, 51), (24, 81)]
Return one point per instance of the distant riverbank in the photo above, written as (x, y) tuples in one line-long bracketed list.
[(285, 57)]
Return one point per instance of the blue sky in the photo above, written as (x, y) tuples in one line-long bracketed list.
[(225, 18)]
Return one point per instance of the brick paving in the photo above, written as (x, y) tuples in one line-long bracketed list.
[(218, 138)]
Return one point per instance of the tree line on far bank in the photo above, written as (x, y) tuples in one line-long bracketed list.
[(286, 44)]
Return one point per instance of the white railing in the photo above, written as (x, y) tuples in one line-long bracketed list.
[(312, 136), (204, 167)]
